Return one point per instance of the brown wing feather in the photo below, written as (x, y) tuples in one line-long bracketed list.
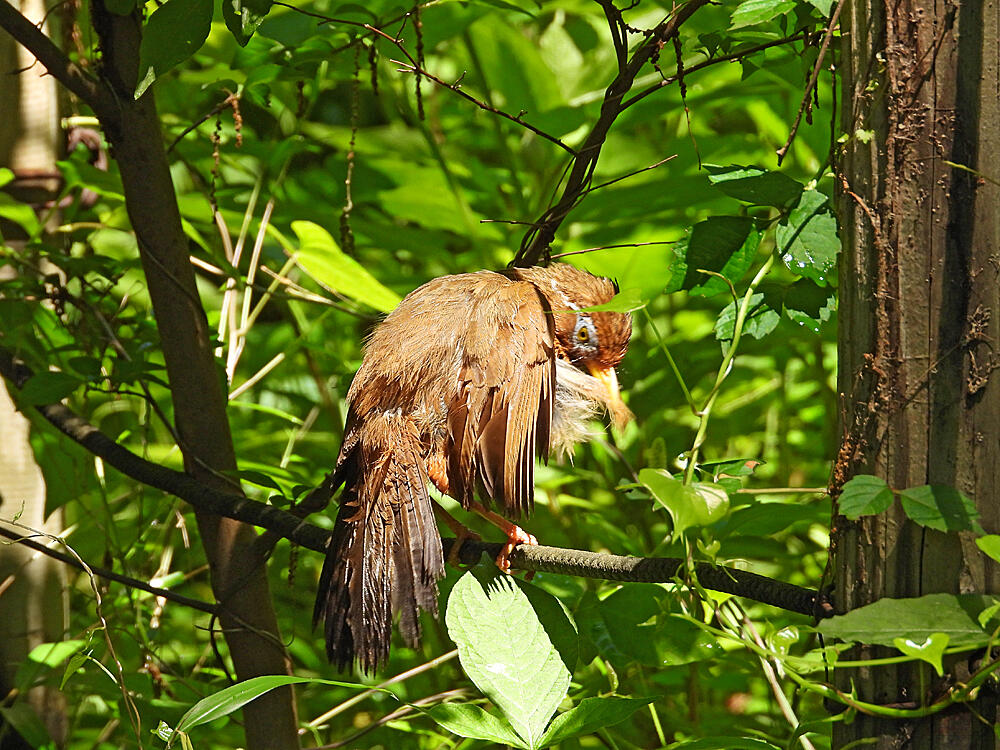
[(502, 411)]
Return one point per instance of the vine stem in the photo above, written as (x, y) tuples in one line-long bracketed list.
[(727, 363)]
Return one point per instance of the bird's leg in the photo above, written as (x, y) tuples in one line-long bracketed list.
[(460, 530), (515, 534)]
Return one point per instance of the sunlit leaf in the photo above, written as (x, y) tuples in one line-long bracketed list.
[(508, 647), (807, 239), (864, 495), (467, 720), (930, 650), (321, 257), (590, 715)]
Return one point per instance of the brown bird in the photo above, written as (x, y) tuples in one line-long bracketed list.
[(463, 385)]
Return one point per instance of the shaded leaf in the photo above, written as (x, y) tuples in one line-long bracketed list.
[(243, 17), (955, 615), (174, 32), (48, 387), (940, 507), (760, 187), (723, 244)]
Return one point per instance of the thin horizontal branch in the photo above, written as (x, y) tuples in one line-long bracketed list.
[(292, 527), (60, 67), (26, 541)]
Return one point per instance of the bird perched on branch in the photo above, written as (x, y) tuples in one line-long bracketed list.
[(468, 380)]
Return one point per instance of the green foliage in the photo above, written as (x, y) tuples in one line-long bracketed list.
[(313, 201)]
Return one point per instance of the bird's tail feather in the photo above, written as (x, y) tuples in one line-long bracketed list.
[(385, 554)]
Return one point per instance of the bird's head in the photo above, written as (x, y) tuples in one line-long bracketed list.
[(594, 342)]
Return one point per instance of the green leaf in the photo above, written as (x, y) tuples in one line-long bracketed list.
[(234, 697), (19, 213), (723, 244), (467, 720), (55, 653), (48, 387), (864, 495), (759, 187), (990, 545), (955, 615), (940, 507), (761, 319), (244, 16), (627, 301), (930, 650), (697, 504), (508, 649), (260, 479), (752, 12), (807, 238), (590, 715), (823, 6), (734, 467), (320, 257), (174, 32)]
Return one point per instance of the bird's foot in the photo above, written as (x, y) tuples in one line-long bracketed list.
[(515, 536), (461, 531)]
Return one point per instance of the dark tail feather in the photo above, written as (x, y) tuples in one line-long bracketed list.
[(385, 553)]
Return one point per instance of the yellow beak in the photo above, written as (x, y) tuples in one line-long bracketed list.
[(620, 413)]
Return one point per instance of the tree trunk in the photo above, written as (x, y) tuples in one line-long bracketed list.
[(919, 310)]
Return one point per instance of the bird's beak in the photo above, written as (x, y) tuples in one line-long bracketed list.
[(620, 413)]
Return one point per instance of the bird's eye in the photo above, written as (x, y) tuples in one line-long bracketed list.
[(584, 334)]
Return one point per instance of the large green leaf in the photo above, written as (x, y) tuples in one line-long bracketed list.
[(940, 507), (320, 256), (174, 32), (916, 619), (510, 648)]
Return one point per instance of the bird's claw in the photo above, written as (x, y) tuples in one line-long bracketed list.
[(515, 536)]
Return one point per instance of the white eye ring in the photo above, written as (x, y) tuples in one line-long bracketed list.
[(585, 335)]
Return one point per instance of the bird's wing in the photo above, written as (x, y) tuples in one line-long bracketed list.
[(501, 413)]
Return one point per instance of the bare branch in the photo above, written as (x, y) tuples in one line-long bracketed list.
[(834, 19), (535, 245)]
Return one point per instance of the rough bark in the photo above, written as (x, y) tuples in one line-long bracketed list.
[(919, 319)]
